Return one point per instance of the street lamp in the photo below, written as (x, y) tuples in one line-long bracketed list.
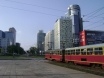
[(40, 52)]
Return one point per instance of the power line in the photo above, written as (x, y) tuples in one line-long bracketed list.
[(95, 22), (34, 5), (96, 16), (96, 26), (94, 12), (28, 10)]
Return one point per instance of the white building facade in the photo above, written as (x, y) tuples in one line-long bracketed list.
[(49, 40), (63, 33)]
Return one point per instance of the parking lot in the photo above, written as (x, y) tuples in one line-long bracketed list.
[(38, 68)]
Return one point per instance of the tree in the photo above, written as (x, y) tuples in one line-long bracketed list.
[(34, 51), (13, 49)]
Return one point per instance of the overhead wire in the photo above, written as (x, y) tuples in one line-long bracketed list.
[(35, 5), (91, 16), (92, 13), (96, 16), (94, 23), (29, 10), (96, 26)]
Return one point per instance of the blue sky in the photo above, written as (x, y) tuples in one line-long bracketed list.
[(30, 16)]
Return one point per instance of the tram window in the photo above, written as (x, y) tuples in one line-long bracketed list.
[(89, 51), (68, 52), (73, 52), (54, 52), (77, 51), (60, 52), (57, 52), (49, 52), (83, 51), (98, 51)]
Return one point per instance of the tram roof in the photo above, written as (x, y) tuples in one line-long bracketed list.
[(87, 46)]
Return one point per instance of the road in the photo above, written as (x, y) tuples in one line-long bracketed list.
[(38, 68)]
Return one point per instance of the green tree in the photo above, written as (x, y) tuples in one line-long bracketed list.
[(0, 50), (37, 51), (15, 49), (32, 50)]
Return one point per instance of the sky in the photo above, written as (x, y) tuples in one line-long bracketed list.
[(30, 16)]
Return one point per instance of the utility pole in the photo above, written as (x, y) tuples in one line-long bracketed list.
[(63, 51)]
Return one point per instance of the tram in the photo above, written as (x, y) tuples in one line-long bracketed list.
[(92, 55)]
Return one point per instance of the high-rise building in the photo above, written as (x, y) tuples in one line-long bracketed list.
[(40, 40), (75, 14), (49, 40), (12, 30), (7, 38), (11, 35), (68, 28), (63, 33)]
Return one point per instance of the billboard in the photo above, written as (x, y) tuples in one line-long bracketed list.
[(94, 37), (82, 38)]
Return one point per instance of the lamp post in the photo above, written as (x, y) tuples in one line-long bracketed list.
[(43, 47), (13, 52)]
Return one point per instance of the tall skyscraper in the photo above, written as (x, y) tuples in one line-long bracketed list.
[(68, 28), (40, 40), (74, 13), (14, 34), (11, 35)]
